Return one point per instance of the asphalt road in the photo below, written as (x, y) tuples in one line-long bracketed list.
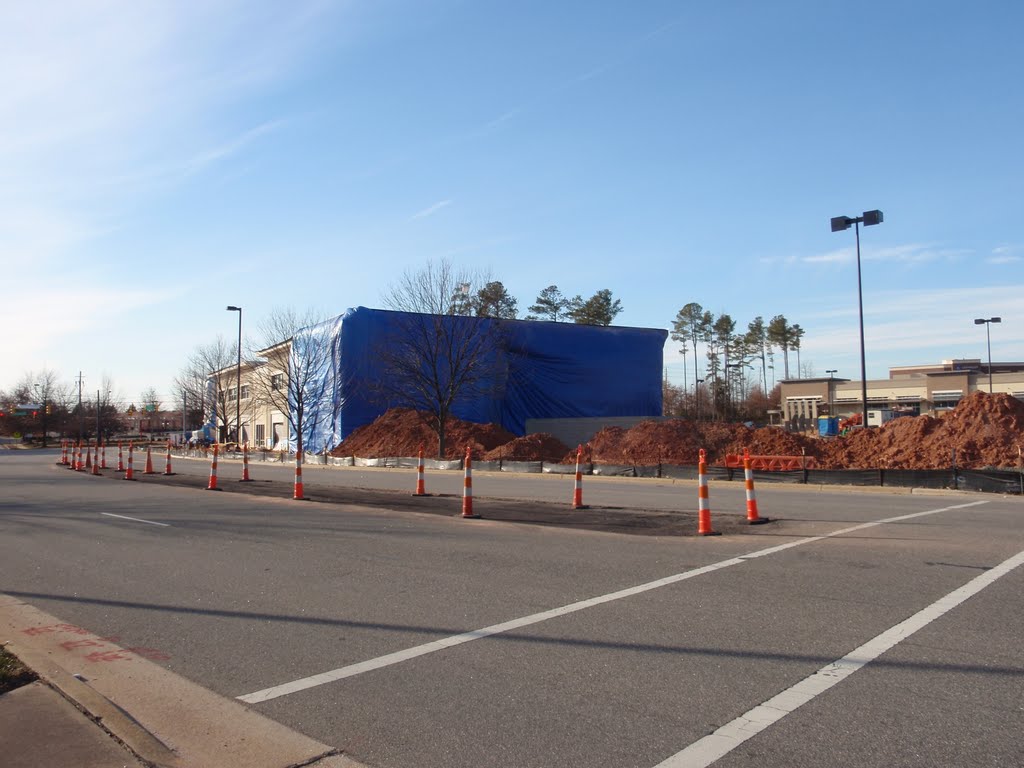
[(598, 649)]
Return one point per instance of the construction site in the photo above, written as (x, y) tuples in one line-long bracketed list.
[(983, 432)]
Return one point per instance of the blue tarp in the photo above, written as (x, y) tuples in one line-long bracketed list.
[(539, 370)]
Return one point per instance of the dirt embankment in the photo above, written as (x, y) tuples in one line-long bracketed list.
[(984, 431)]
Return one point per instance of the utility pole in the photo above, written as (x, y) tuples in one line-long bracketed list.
[(97, 416), (81, 413)]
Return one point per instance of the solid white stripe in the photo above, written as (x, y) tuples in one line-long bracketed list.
[(394, 658), (716, 745), (136, 519)]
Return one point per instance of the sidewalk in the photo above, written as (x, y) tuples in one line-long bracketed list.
[(128, 712), (39, 728)]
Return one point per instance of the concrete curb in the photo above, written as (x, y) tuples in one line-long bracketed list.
[(161, 718), (107, 715)]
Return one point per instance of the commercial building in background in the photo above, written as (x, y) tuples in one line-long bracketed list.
[(911, 390)]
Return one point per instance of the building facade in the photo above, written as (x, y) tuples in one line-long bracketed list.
[(909, 391)]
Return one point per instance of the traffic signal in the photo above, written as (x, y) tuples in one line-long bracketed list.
[(49, 409), (35, 414)]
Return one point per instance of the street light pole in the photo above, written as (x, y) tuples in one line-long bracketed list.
[(238, 379), (988, 338), (830, 372), (839, 223)]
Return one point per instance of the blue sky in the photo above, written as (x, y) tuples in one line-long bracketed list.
[(159, 161)]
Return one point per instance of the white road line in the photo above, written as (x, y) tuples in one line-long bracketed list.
[(136, 519), (716, 745), (437, 645)]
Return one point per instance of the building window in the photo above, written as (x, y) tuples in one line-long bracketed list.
[(261, 433), (232, 394), (245, 391), (277, 381)]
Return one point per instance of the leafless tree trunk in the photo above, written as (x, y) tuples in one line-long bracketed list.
[(436, 357), (293, 372), (214, 362)]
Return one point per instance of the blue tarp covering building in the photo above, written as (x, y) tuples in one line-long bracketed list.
[(537, 369)]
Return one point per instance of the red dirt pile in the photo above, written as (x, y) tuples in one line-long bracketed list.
[(401, 432), (678, 441), (985, 430), (537, 447)]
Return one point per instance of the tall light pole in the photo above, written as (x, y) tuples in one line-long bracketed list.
[(987, 322), (831, 372), (238, 379), (839, 223)]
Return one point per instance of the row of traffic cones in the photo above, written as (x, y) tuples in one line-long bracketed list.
[(703, 505), (704, 527), (75, 462)]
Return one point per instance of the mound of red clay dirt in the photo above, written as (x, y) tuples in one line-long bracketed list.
[(537, 447), (401, 432), (677, 441), (984, 430)]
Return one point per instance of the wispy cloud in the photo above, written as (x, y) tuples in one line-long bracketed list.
[(206, 158), (910, 253), (1005, 254), (904, 327), (87, 113), (104, 103), (840, 256), (431, 210), (1007, 259)]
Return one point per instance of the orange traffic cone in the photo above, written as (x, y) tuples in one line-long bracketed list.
[(103, 455), (421, 489), (467, 489), (167, 469), (129, 474), (703, 510), (577, 494), (88, 456), (63, 452), (96, 463), (120, 457), (298, 494), (748, 477), (212, 485), (245, 464), (149, 460)]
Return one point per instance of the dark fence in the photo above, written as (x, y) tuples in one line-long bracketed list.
[(986, 481)]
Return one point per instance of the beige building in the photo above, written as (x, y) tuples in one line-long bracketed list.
[(909, 391), (263, 400)]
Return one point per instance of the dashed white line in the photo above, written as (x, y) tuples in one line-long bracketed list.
[(438, 645), (135, 519), (716, 745)]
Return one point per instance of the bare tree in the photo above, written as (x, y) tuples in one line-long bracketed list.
[(435, 358), (112, 420), (45, 389), (293, 372), (206, 383)]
